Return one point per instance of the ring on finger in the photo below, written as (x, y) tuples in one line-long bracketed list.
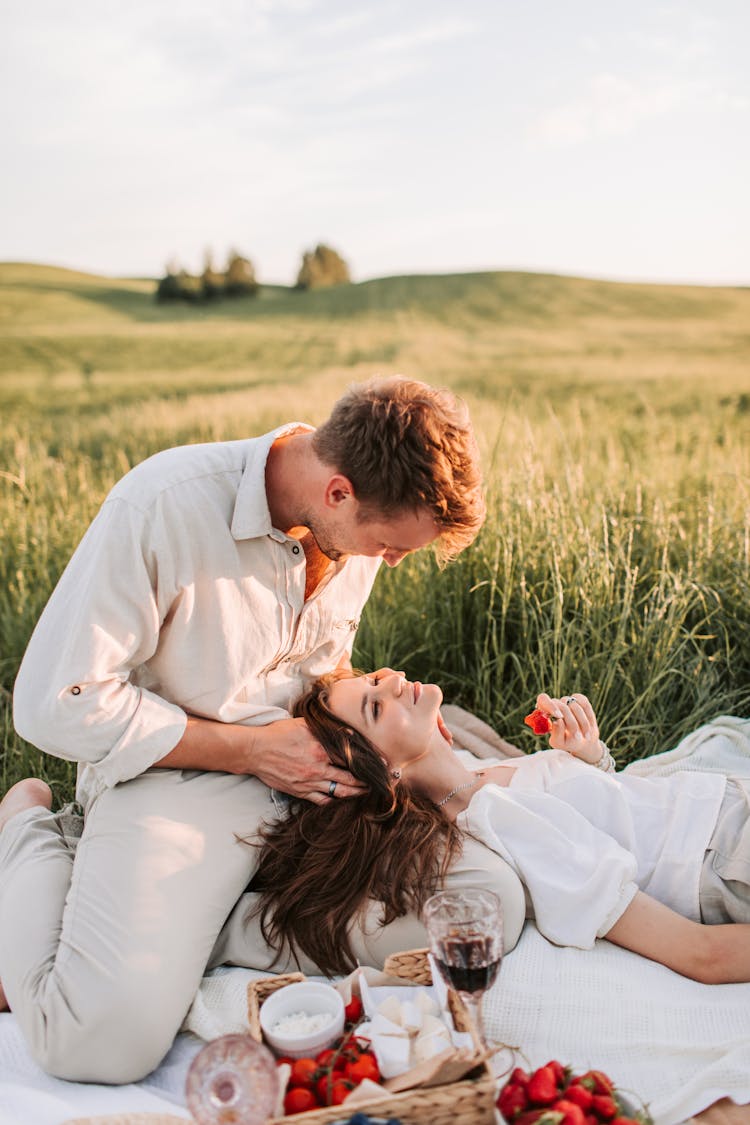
[(570, 700), (332, 787)]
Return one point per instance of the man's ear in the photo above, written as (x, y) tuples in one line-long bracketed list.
[(338, 491)]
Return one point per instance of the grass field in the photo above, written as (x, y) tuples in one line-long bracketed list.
[(614, 422)]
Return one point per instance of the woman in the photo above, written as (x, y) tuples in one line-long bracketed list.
[(601, 855)]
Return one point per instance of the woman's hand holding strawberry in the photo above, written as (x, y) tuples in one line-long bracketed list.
[(573, 726)]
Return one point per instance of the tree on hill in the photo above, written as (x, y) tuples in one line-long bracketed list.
[(239, 279), (168, 287), (179, 285), (212, 281), (322, 266)]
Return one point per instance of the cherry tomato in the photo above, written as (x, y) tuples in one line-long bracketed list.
[(332, 1089), (352, 1046), (353, 1010), (324, 1088), (341, 1090), (304, 1073), (330, 1060), (299, 1100), (364, 1067)]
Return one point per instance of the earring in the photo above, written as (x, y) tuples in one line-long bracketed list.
[(396, 774)]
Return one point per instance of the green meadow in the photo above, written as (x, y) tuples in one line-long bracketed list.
[(614, 422)]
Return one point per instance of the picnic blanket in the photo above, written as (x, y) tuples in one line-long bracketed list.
[(677, 1045)]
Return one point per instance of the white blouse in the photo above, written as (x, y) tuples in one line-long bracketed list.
[(583, 841)]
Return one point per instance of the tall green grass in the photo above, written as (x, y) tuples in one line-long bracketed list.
[(615, 428)]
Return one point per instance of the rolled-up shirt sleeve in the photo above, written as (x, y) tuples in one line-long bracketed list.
[(73, 696), (579, 879)]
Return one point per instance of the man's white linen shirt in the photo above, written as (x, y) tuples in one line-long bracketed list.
[(181, 598), (583, 841)]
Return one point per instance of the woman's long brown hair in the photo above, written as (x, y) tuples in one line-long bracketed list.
[(324, 864)]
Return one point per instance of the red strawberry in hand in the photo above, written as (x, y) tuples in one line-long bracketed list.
[(539, 722)]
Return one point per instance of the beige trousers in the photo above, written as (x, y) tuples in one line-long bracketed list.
[(102, 947), (725, 876)]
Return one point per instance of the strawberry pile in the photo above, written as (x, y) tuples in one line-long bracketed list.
[(553, 1095), (330, 1077)]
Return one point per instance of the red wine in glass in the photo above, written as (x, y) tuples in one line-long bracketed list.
[(466, 941), (467, 962)]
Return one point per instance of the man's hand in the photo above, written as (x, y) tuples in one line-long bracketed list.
[(287, 757), (283, 754)]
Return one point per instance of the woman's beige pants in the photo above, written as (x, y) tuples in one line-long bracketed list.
[(102, 947)]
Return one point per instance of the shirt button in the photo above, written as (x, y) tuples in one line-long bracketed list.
[(295, 550), (75, 690)]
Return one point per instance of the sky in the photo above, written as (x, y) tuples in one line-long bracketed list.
[(604, 138)]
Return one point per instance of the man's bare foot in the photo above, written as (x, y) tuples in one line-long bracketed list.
[(31, 793)]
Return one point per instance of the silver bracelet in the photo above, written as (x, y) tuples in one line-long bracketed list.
[(606, 763)]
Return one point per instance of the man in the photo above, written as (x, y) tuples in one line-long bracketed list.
[(215, 582)]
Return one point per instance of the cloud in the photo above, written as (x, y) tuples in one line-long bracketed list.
[(147, 128), (445, 31), (686, 39), (614, 106)]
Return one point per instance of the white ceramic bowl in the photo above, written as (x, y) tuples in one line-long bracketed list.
[(311, 998)]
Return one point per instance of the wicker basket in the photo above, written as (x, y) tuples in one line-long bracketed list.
[(470, 1101)]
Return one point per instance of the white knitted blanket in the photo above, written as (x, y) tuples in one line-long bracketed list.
[(677, 1045)]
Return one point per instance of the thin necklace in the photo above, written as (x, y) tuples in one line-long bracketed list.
[(458, 789)]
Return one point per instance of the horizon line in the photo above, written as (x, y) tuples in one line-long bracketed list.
[(456, 272)]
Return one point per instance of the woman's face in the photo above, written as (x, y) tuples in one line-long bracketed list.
[(398, 717)]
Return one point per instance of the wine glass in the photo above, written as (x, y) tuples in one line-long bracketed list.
[(233, 1080), (465, 929)]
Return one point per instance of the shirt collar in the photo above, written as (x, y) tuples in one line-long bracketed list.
[(251, 518)]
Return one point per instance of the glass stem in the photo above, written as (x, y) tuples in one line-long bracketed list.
[(473, 1002)]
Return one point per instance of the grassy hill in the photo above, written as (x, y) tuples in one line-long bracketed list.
[(525, 333), (614, 422), (506, 295)]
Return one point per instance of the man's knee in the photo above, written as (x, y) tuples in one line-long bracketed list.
[(119, 1039)]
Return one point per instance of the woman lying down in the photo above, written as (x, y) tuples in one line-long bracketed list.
[(658, 865)]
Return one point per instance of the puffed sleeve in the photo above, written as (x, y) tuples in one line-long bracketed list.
[(73, 697), (578, 878)]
